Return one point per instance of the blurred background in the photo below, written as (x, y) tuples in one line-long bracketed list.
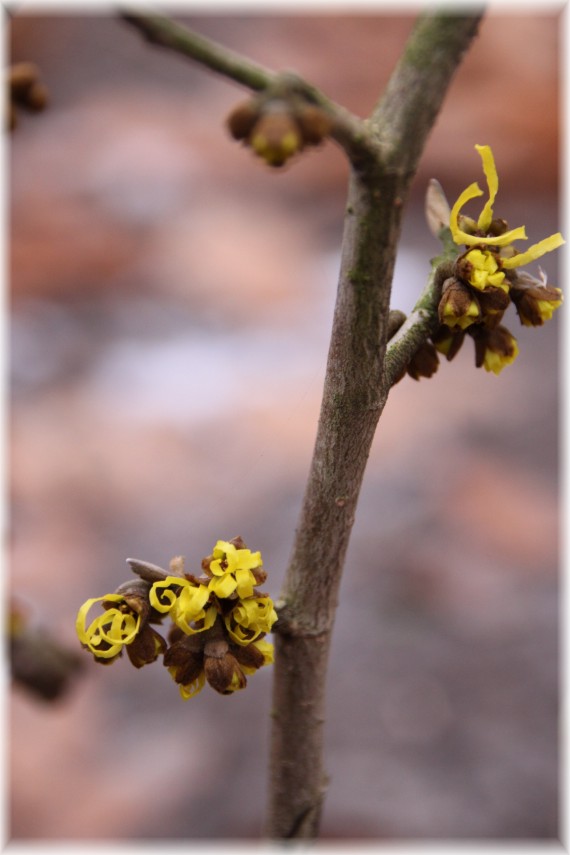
[(170, 306)]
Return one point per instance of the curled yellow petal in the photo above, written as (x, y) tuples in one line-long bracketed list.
[(162, 597), (469, 193), (113, 627), (490, 170), (191, 623), (192, 688), (534, 252), (222, 586)]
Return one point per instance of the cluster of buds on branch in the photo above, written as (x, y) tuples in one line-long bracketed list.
[(481, 282), (486, 280), (38, 661), (25, 90), (219, 620), (277, 125)]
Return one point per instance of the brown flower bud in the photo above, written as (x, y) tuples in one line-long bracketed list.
[(248, 655), (534, 300), (494, 348), (146, 647), (458, 306), (224, 674), (313, 122), (493, 301), (424, 362), (21, 77), (37, 97), (448, 341), (242, 119), (185, 659), (276, 136), (135, 594)]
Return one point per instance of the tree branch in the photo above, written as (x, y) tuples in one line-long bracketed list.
[(356, 388), (348, 130), (419, 325), (166, 33), (408, 108)]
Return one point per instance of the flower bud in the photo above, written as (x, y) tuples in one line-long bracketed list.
[(494, 348), (146, 648), (242, 119), (458, 306), (313, 122), (21, 77), (493, 301), (448, 341), (424, 362), (535, 301), (185, 659), (224, 673), (276, 136)]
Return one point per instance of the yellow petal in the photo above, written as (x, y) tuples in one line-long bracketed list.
[(222, 586), (460, 236), (486, 215), (245, 582), (495, 362), (469, 193), (192, 689), (161, 597), (183, 621), (534, 252)]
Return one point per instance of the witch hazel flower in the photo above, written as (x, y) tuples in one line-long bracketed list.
[(486, 279), (218, 620)]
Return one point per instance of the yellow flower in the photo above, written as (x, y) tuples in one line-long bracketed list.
[(534, 299), (106, 634), (250, 618), (494, 348), (191, 689), (486, 218), (184, 601), (458, 307), (483, 270), (266, 650), (232, 570), (276, 136)]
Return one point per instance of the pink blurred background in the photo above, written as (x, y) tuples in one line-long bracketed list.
[(170, 307)]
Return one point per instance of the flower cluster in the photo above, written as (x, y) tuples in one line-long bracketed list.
[(219, 620), (278, 126), (26, 90), (486, 280)]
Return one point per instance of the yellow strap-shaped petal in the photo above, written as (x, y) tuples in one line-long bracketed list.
[(486, 215), (460, 236), (469, 193), (161, 597), (123, 627), (207, 618), (194, 687), (222, 586), (82, 614), (534, 252), (245, 583)]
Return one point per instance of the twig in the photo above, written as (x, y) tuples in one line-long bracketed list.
[(349, 131), (166, 33), (418, 326)]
